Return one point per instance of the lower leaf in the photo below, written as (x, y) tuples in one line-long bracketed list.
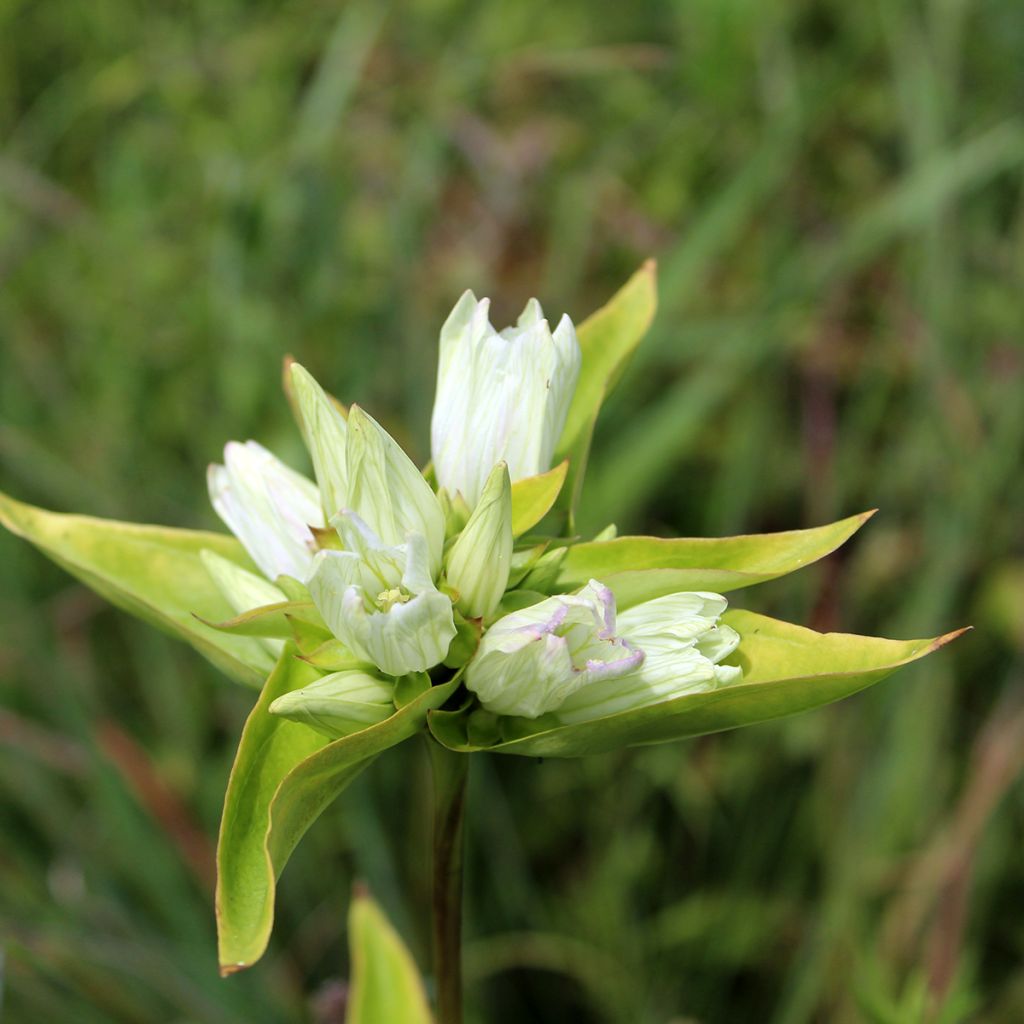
[(283, 777)]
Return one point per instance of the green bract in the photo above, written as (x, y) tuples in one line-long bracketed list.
[(384, 608)]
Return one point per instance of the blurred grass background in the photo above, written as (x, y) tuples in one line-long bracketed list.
[(834, 193)]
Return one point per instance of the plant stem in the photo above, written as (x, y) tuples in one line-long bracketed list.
[(449, 771)]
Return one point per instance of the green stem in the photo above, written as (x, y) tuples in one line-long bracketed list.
[(449, 771)]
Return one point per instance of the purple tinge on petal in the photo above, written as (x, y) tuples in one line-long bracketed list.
[(607, 608), (599, 668)]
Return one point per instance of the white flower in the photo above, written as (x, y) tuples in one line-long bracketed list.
[(500, 397), (268, 507), (480, 559), (340, 703), (569, 655), (380, 599), (529, 662)]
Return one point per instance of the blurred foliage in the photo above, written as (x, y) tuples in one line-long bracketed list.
[(189, 191)]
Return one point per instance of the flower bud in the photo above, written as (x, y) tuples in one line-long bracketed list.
[(500, 397), (339, 704), (479, 561), (268, 507)]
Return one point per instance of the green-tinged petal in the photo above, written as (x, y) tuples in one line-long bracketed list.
[(607, 339), (153, 572), (387, 491), (785, 668), (410, 637), (479, 561), (640, 568), (534, 496), (325, 433), (284, 775), (339, 704)]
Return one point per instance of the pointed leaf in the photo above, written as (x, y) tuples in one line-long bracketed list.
[(607, 340), (786, 669), (153, 572), (534, 496), (272, 620), (385, 984), (283, 777), (641, 568)]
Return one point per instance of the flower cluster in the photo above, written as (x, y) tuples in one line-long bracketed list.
[(398, 569)]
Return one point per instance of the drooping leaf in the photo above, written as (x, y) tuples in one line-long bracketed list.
[(641, 568), (283, 777), (533, 497), (786, 669), (607, 339), (154, 572), (385, 984)]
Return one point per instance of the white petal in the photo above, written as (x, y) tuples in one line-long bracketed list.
[(531, 661), (269, 508), (500, 397), (413, 636)]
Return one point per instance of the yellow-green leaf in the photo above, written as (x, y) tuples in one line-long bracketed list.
[(786, 669), (533, 497), (385, 984), (283, 777), (607, 340), (154, 572), (641, 568)]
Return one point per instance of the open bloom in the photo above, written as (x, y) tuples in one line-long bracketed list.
[(268, 507), (569, 655), (380, 600), (501, 397)]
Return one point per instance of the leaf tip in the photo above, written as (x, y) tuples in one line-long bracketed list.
[(227, 969), (948, 638)]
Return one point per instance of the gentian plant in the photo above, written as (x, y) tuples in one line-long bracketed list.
[(377, 602)]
